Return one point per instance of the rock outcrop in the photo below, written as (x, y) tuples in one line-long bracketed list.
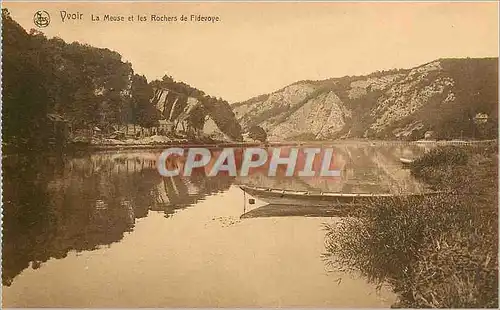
[(443, 96)]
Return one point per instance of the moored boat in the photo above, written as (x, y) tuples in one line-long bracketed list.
[(406, 161), (305, 198)]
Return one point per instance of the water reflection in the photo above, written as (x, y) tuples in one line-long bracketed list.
[(53, 206)]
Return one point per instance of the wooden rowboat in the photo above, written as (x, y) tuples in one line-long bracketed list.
[(304, 198)]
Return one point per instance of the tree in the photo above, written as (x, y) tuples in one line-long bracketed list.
[(144, 112), (25, 91), (196, 118), (86, 85), (221, 113), (257, 133)]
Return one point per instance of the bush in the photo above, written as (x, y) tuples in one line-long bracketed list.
[(435, 251), (464, 170), (257, 133), (447, 155)]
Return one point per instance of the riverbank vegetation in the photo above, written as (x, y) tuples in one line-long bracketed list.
[(440, 251)]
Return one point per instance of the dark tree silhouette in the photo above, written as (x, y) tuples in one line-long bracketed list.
[(257, 133)]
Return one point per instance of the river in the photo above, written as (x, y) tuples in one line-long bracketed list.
[(107, 230)]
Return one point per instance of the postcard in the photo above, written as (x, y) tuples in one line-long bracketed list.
[(250, 154)]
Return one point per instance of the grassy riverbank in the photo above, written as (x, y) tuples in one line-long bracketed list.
[(437, 251)]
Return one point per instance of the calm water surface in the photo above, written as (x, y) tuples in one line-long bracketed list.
[(106, 230)]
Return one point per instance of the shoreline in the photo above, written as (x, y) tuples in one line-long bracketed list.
[(78, 147), (99, 147)]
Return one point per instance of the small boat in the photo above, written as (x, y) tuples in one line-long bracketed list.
[(406, 161), (305, 198)]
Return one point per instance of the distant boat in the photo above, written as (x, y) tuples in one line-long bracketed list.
[(406, 161), (304, 198)]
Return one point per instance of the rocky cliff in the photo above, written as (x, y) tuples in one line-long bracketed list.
[(178, 103), (444, 96)]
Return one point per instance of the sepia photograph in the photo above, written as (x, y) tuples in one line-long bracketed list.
[(181, 154)]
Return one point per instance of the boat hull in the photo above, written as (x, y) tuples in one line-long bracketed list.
[(277, 197), (286, 197)]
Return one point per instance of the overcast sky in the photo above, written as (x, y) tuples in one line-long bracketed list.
[(257, 48)]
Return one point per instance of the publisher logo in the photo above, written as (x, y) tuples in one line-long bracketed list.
[(41, 19)]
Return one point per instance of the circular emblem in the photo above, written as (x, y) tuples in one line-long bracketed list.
[(41, 19)]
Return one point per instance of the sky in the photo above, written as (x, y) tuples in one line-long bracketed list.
[(257, 48)]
